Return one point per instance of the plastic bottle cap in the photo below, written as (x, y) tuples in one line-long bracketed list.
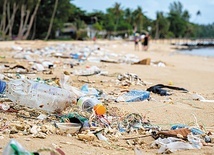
[(99, 109), (2, 86)]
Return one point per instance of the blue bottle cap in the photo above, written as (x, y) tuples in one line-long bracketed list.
[(2, 86)]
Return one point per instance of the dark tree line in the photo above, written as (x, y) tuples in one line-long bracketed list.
[(41, 19)]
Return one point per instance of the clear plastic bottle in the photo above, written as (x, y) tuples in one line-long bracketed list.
[(37, 95), (134, 96), (14, 147), (89, 103)]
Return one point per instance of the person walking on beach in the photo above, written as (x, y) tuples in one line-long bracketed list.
[(142, 40), (136, 40), (146, 42)]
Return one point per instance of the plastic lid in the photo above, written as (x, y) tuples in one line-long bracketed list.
[(99, 109), (2, 86)]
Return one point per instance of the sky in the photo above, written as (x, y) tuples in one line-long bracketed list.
[(150, 7)]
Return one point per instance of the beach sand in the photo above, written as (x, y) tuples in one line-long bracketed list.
[(193, 73)]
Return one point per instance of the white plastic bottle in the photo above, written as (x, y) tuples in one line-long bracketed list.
[(37, 95)]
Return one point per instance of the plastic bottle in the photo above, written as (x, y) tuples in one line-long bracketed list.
[(37, 95), (134, 96), (13, 147), (89, 103)]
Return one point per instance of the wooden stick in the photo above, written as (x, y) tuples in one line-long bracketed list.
[(140, 136)]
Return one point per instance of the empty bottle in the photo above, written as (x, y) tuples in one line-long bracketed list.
[(37, 95), (134, 96), (89, 103), (14, 147)]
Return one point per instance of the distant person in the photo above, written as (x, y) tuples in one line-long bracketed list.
[(142, 40), (146, 42), (94, 39), (136, 40)]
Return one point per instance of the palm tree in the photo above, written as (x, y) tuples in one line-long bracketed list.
[(178, 19), (138, 19), (158, 16), (52, 19), (161, 25), (129, 16), (117, 11), (198, 13)]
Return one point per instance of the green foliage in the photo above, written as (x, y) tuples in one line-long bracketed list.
[(179, 20), (161, 26), (116, 20), (97, 26), (44, 15)]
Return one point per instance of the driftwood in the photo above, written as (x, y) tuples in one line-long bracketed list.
[(134, 137)]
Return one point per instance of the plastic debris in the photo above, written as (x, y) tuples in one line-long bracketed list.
[(37, 95), (134, 96), (200, 98), (172, 145)]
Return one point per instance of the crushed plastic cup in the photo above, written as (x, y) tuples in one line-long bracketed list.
[(69, 127), (89, 103)]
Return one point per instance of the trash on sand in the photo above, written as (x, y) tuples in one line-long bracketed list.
[(157, 89), (134, 96), (200, 98), (4, 106), (37, 95), (89, 91), (38, 67), (75, 118), (108, 60), (195, 141), (170, 144), (65, 85), (88, 71), (69, 127), (158, 63), (128, 79), (13, 147), (146, 61), (179, 133), (89, 103), (193, 130), (87, 137), (100, 135)]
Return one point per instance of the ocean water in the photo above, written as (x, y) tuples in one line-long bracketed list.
[(205, 52)]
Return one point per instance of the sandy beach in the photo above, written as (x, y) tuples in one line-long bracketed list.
[(194, 73)]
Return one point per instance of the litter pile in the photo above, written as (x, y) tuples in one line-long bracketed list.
[(44, 107)]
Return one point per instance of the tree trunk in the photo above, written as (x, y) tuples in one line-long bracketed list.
[(8, 18), (26, 21), (3, 21), (34, 29), (32, 19), (20, 33), (52, 19), (157, 30), (11, 20), (15, 8), (8, 12)]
